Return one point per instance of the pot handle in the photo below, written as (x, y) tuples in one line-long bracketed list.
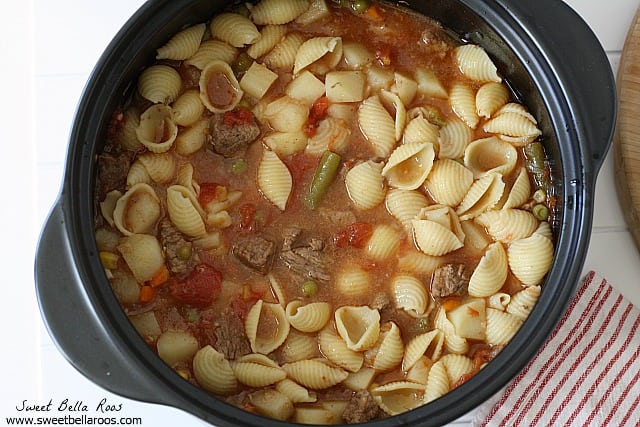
[(74, 327), (582, 66)]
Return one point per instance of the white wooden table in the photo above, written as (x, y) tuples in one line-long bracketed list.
[(52, 47)]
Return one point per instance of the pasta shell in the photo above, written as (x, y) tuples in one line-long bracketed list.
[(419, 263), (212, 50), (107, 206), (213, 372), (522, 302), (513, 125), (456, 365), (520, 191), (488, 155), (271, 12), (188, 108), (183, 44), (295, 392), (544, 229), (453, 343), (274, 179), (234, 29), (283, 55), (353, 281), (319, 55), (270, 35), (530, 258), (389, 351), (185, 178), (474, 63), (159, 84), (437, 230), (143, 254), (409, 165), (315, 374), (310, 317), (419, 129), (404, 205), (429, 344), (192, 138), (405, 88), (359, 326), (273, 315), (410, 295), (463, 102), (161, 168), (365, 185), (455, 135), (298, 346), (438, 383), (501, 326), (499, 301), (507, 225), (419, 372), (331, 134), (157, 131), (383, 243), (377, 126), (398, 397), (257, 371), (335, 349), (219, 88), (126, 134), (491, 272), (392, 102), (137, 211), (317, 10), (448, 182), (490, 97), (360, 380), (185, 211), (429, 84), (484, 194)]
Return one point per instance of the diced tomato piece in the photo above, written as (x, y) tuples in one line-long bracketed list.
[(238, 116), (210, 191), (200, 288), (355, 235), (317, 112)]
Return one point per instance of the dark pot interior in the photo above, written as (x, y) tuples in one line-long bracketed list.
[(550, 58)]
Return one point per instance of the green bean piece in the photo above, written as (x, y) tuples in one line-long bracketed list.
[(434, 116), (534, 154), (540, 196), (309, 288), (239, 166), (360, 6), (541, 212), (324, 176), (422, 324)]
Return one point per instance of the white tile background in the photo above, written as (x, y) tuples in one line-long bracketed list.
[(48, 50)]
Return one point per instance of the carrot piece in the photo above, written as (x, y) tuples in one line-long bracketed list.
[(450, 303), (374, 12), (147, 293), (160, 277)]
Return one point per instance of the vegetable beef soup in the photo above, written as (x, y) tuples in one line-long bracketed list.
[(324, 212)]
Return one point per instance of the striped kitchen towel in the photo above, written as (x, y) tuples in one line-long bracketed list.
[(586, 374)]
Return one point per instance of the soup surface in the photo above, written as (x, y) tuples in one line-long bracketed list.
[(324, 212)]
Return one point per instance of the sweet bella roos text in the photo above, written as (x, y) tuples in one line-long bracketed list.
[(68, 405)]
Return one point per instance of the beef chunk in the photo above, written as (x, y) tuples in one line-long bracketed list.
[(255, 252), (112, 172), (178, 250), (450, 279), (361, 408), (306, 259), (225, 333), (229, 140)]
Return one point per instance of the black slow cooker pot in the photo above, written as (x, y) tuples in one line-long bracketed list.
[(552, 61)]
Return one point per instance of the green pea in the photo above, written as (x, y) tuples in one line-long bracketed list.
[(239, 166), (184, 252), (242, 63), (309, 288)]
